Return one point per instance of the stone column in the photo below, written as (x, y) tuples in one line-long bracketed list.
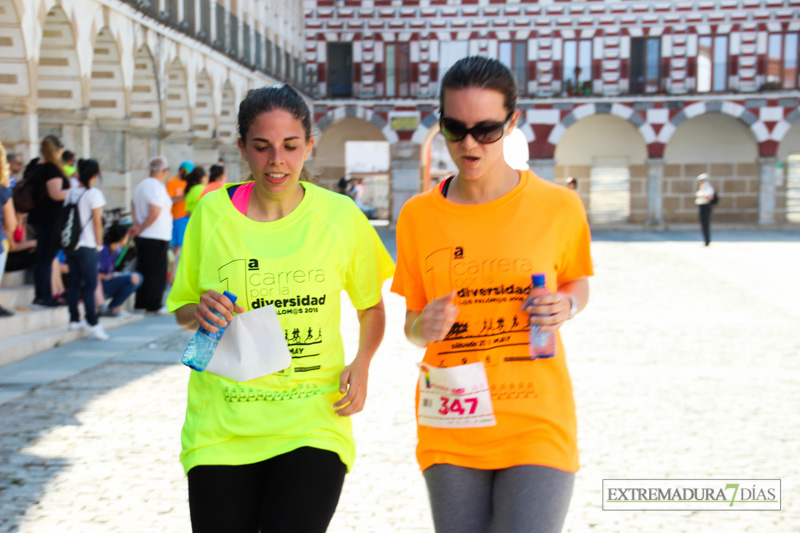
[(83, 144), (655, 192), (544, 168), (766, 190), (19, 133), (405, 176)]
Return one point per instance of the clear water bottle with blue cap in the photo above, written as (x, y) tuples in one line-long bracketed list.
[(542, 344), (204, 343)]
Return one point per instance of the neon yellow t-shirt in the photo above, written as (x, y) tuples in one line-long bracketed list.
[(193, 197), (300, 264)]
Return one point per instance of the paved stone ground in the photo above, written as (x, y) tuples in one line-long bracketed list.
[(685, 365)]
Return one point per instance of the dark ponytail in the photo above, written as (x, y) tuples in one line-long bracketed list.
[(87, 169), (266, 99)]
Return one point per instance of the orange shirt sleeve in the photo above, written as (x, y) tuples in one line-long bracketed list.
[(576, 259)]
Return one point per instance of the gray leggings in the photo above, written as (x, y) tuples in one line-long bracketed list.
[(520, 499)]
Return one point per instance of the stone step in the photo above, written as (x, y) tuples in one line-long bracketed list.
[(16, 279), (15, 348), (16, 296), (30, 320)]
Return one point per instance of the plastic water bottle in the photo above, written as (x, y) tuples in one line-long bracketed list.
[(202, 346), (542, 345)]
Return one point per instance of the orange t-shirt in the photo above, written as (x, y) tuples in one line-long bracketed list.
[(213, 186), (176, 188), (487, 253)]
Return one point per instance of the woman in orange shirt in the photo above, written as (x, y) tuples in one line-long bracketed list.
[(496, 425)]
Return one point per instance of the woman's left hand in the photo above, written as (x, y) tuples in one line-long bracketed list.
[(353, 384), (550, 311)]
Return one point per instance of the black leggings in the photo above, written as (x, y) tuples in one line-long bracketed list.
[(705, 222), (296, 491)]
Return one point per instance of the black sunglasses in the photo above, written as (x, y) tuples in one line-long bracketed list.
[(484, 132)]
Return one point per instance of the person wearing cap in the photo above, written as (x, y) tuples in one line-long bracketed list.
[(704, 198), (176, 188)]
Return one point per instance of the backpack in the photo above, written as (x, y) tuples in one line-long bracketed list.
[(715, 199), (67, 230), (24, 197)]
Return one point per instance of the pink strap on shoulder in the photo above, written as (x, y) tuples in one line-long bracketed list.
[(241, 197)]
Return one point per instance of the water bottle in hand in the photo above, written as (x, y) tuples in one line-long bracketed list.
[(202, 346), (542, 345)]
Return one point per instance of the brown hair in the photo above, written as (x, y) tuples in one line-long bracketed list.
[(5, 169), (49, 149), (483, 73)]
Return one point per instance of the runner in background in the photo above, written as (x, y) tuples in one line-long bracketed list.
[(195, 183), (217, 178), (176, 188), (271, 454), (496, 428)]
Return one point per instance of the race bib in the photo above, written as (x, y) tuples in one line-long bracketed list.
[(455, 397)]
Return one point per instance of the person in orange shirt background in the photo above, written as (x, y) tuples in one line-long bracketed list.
[(216, 179), (176, 188), (496, 424)]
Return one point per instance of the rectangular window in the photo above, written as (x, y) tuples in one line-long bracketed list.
[(171, 11), (514, 56), (398, 70), (577, 66), (246, 56), (259, 64), (278, 61), (645, 65), (449, 53), (340, 69), (205, 20), (220, 38), (782, 60), (712, 63), (188, 23), (287, 75), (233, 35), (269, 55)]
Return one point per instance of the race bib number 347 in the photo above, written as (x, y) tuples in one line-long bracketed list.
[(455, 397)]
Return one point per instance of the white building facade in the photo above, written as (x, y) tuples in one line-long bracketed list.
[(122, 81), (634, 98)]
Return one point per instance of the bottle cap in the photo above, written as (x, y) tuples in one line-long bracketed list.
[(538, 280), (232, 297)]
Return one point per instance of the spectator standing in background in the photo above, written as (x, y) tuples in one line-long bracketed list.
[(82, 261), (704, 199), (68, 160), (16, 165), (176, 187), (50, 187), (152, 232)]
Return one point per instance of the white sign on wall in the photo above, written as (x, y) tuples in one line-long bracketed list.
[(366, 156)]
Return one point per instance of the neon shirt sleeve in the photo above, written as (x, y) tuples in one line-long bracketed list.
[(185, 285), (370, 264)]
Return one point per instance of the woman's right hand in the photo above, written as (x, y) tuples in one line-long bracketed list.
[(436, 319), (222, 304)]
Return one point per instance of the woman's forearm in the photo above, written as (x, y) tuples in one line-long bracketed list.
[(185, 317), (373, 323)]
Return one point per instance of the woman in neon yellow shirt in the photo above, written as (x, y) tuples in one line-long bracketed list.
[(195, 183), (271, 453)]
